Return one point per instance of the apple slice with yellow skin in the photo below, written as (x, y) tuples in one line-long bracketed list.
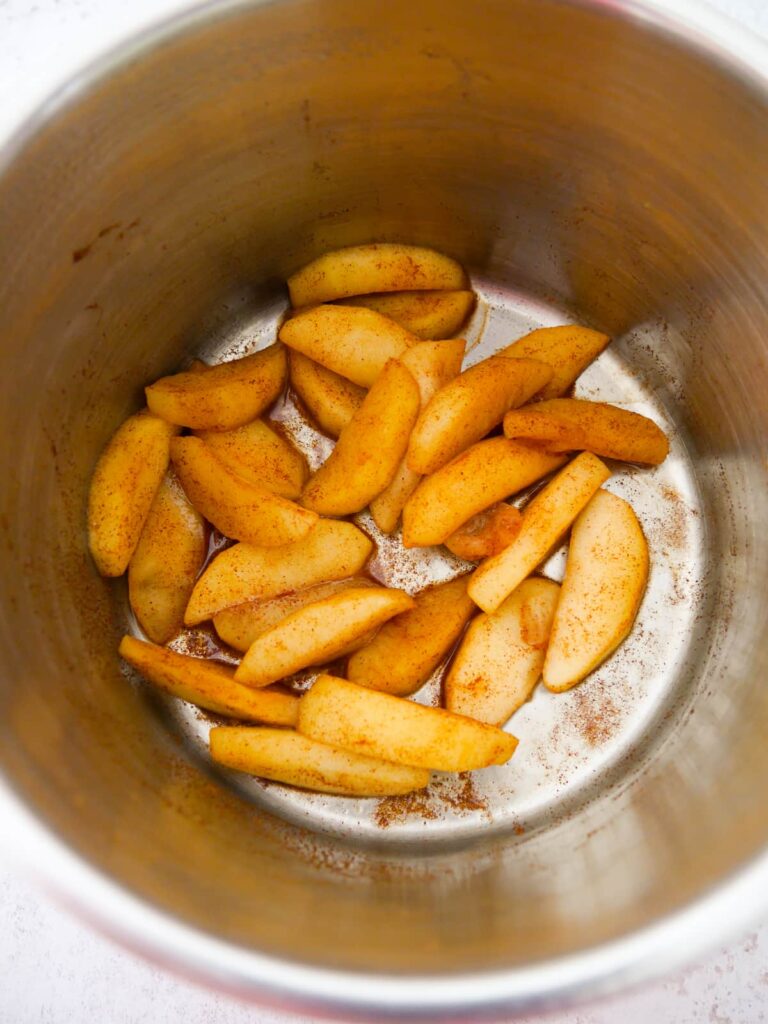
[(572, 424), (486, 533), (208, 685), (605, 578), (568, 350), (240, 625), (331, 400), (221, 397), (408, 648), (545, 522), (470, 405), (319, 632), (380, 267), (370, 447), (166, 562), (428, 315), (283, 755), (501, 656), (433, 364), (260, 455), (481, 476), (123, 486), (353, 342), (377, 724), (332, 550), (239, 509)]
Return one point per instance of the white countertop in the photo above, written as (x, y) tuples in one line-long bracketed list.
[(54, 970)]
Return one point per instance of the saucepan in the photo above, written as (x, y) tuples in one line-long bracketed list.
[(588, 161)]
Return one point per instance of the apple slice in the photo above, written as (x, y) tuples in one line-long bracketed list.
[(469, 406), (331, 551), (123, 487), (382, 267), (572, 424), (568, 350), (370, 447), (353, 342), (285, 756), (240, 625), (500, 658), (387, 507), (207, 684), (166, 562), (239, 509), (433, 364), (428, 315), (220, 397), (486, 533), (482, 475), (260, 455), (377, 724), (318, 633), (545, 521), (331, 400), (605, 579), (408, 648)]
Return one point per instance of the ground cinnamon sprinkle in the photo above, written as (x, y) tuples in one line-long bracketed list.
[(466, 797), (596, 711), (394, 809), (456, 793), (676, 517)]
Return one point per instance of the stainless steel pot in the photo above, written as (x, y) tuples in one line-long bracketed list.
[(606, 157)]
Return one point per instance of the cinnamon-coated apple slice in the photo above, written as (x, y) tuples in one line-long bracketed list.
[(408, 648), (568, 350), (432, 364), (286, 756), (331, 399), (238, 508), (605, 579), (208, 684), (376, 267), (500, 658), (573, 424), (239, 625), (380, 725), (332, 550), (354, 342), (318, 632), (123, 486), (481, 476), (220, 397), (469, 406), (166, 562), (545, 522), (429, 315), (261, 456), (487, 533), (369, 448)]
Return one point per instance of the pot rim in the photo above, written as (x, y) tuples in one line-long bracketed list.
[(736, 902)]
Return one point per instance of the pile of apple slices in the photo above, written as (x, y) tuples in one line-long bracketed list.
[(370, 350)]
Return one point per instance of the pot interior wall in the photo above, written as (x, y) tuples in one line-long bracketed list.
[(559, 149)]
